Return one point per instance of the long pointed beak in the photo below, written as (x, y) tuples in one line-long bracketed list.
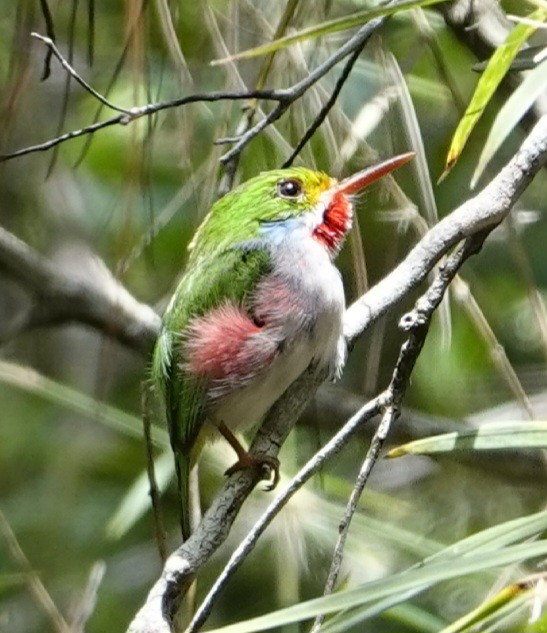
[(363, 178)]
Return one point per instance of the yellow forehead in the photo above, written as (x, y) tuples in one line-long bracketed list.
[(315, 184)]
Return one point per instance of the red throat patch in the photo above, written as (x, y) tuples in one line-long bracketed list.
[(336, 223)]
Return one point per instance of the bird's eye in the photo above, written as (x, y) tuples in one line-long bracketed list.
[(290, 188)]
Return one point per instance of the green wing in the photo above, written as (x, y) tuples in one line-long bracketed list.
[(230, 274)]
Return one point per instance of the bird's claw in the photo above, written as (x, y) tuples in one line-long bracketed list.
[(269, 465), (264, 464)]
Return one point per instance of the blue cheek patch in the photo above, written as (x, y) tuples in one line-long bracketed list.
[(282, 230)]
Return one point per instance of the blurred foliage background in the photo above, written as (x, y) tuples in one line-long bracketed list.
[(133, 195)]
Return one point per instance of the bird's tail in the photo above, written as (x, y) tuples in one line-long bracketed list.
[(183, 467)]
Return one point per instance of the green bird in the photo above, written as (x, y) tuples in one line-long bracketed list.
[(259, 302)]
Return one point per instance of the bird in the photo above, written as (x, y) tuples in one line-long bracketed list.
[(259, 302)]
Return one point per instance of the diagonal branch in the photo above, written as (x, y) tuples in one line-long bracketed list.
[(59, 297), (487, 208), (332, 97), (105, 305)]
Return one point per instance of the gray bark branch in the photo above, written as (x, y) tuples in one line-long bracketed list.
[(98, 300)]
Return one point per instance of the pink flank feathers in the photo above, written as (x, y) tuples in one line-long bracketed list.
[(227, 347)]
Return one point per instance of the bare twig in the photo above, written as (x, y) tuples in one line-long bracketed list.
[(129, 35), (290, 95), (64, 63), (151, 108), (50, 29), (488, 207), (251, 109), (94, 304), (333, 96), (366, 413), (284, 98)]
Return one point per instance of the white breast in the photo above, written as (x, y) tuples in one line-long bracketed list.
[(313, 331)]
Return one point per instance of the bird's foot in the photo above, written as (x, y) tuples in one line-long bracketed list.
[(264, 464)]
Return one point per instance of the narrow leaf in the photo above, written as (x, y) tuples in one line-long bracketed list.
[(510, 114), (331, 26), (487, 608), (35, 383), (417, 578), (493, 436), (489, 81)]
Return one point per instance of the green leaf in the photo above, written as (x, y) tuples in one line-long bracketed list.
[(419, 579), (484, 550), (510, 114), (488, 607), (325, 28), (491, 539), (492, 436), (489, 81), (33, 382)]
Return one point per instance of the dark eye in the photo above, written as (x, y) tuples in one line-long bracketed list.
[(289, 188)]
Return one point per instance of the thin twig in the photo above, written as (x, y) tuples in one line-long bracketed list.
[(284, 98), (63, 111), (295, 92), (485, 209), (64, 63), (151, 108), (250, 110), (161, 538), (50, 30), (90, 31), (333, 96), (115, 74)]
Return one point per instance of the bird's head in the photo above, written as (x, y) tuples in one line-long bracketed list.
[(295, 195)]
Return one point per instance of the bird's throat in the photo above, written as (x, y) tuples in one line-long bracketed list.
[(336, 223)]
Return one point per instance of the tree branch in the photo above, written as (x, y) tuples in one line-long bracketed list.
[(290, 95), (58, 297), (485, 210), (104, 304), (482, 26)]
